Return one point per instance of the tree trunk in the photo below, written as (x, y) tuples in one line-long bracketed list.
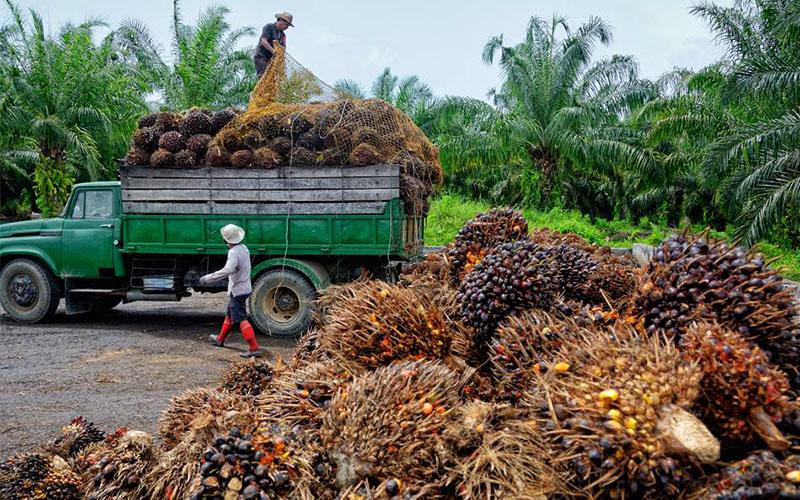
[(675, 210), (547, 166)]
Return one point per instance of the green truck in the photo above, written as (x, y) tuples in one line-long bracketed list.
[(152, 234)]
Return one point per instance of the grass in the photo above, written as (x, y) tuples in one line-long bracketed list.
[(449, 212)]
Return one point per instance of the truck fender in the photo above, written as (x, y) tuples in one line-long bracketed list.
[(313, 271), (10, 253)]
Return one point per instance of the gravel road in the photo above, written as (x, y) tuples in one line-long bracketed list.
[(118, 368)]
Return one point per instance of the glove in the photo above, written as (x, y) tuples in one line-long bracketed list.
[(203, 280)]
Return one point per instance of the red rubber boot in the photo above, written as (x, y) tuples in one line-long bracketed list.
[(219, 340), (250, 336)]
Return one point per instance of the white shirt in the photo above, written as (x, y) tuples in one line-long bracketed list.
[(237, 270)]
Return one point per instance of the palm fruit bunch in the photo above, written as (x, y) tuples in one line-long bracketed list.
[(499, 454), (760, 476), (586, 315), (612, 282), (203, 414), (743, 395), (693, 278), (20, 474), (196, 121), (298, 398), (307, 350), (518, 275), (35, 475), (523, 348), (386, 424), (550, 237), (249, 378), (241, 465), (383, 323), (177, 139), (615, 415), (198, 404), (75, 437), (482, 233), (118, 471)]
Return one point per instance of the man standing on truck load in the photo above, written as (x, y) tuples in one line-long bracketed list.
[(271, 34), (237, 270)]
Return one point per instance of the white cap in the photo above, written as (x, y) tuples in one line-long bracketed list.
[(232, 234)]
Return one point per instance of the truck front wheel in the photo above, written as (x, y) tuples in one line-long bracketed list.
[(282, 303), (29, 292)]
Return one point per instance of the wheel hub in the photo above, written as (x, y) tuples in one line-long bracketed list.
[(282, 304), (286, 300), (23, 290)]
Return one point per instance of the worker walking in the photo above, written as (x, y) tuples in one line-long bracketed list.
[(271, 34), (237, 270)]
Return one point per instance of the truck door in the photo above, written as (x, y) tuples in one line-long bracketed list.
[(88, 235)]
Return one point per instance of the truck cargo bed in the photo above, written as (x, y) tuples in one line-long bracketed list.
[(283, 190), (335, 211)]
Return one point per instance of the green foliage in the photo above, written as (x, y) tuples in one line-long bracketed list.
[(52, 184), (208, 68), (70, 101)]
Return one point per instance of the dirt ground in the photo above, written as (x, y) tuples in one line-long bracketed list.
[(118, 368)]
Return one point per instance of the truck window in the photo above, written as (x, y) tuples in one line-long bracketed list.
[(77, 210), (99, 205)]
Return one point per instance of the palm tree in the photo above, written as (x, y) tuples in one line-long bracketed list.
[(209, 69), (409, 94), (554, 100), (761, 154), (69, 108)]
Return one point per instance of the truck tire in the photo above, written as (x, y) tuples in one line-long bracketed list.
[(282, 303), (29, 292)]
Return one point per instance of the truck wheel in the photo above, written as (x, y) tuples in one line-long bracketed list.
[(29, 292), (282, 303)]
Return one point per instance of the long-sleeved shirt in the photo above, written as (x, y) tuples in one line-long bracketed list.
[(237, 270)]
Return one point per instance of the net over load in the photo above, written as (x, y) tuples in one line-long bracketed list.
[(295, 119)]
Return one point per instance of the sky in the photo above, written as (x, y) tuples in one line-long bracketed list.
[(438, 40)]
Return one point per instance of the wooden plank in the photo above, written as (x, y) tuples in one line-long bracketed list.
[(131, 183), (348, 208), (166, 183), (276, 195), (308, 172)]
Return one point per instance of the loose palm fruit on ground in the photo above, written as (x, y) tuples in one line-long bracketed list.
[(244, 465)]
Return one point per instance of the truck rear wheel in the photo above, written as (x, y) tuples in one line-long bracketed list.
[(282, 303), (29, 292)]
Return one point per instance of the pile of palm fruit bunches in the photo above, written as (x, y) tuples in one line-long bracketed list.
[(512, 364)]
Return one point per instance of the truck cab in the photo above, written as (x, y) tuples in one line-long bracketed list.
[(96, 255)]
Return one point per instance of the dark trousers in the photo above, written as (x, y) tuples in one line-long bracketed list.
[(261, 64)]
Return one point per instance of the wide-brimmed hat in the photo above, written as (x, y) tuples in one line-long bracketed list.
[(285, 16), (232, 234)]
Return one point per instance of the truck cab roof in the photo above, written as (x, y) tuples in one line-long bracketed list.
[(98, 184)]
